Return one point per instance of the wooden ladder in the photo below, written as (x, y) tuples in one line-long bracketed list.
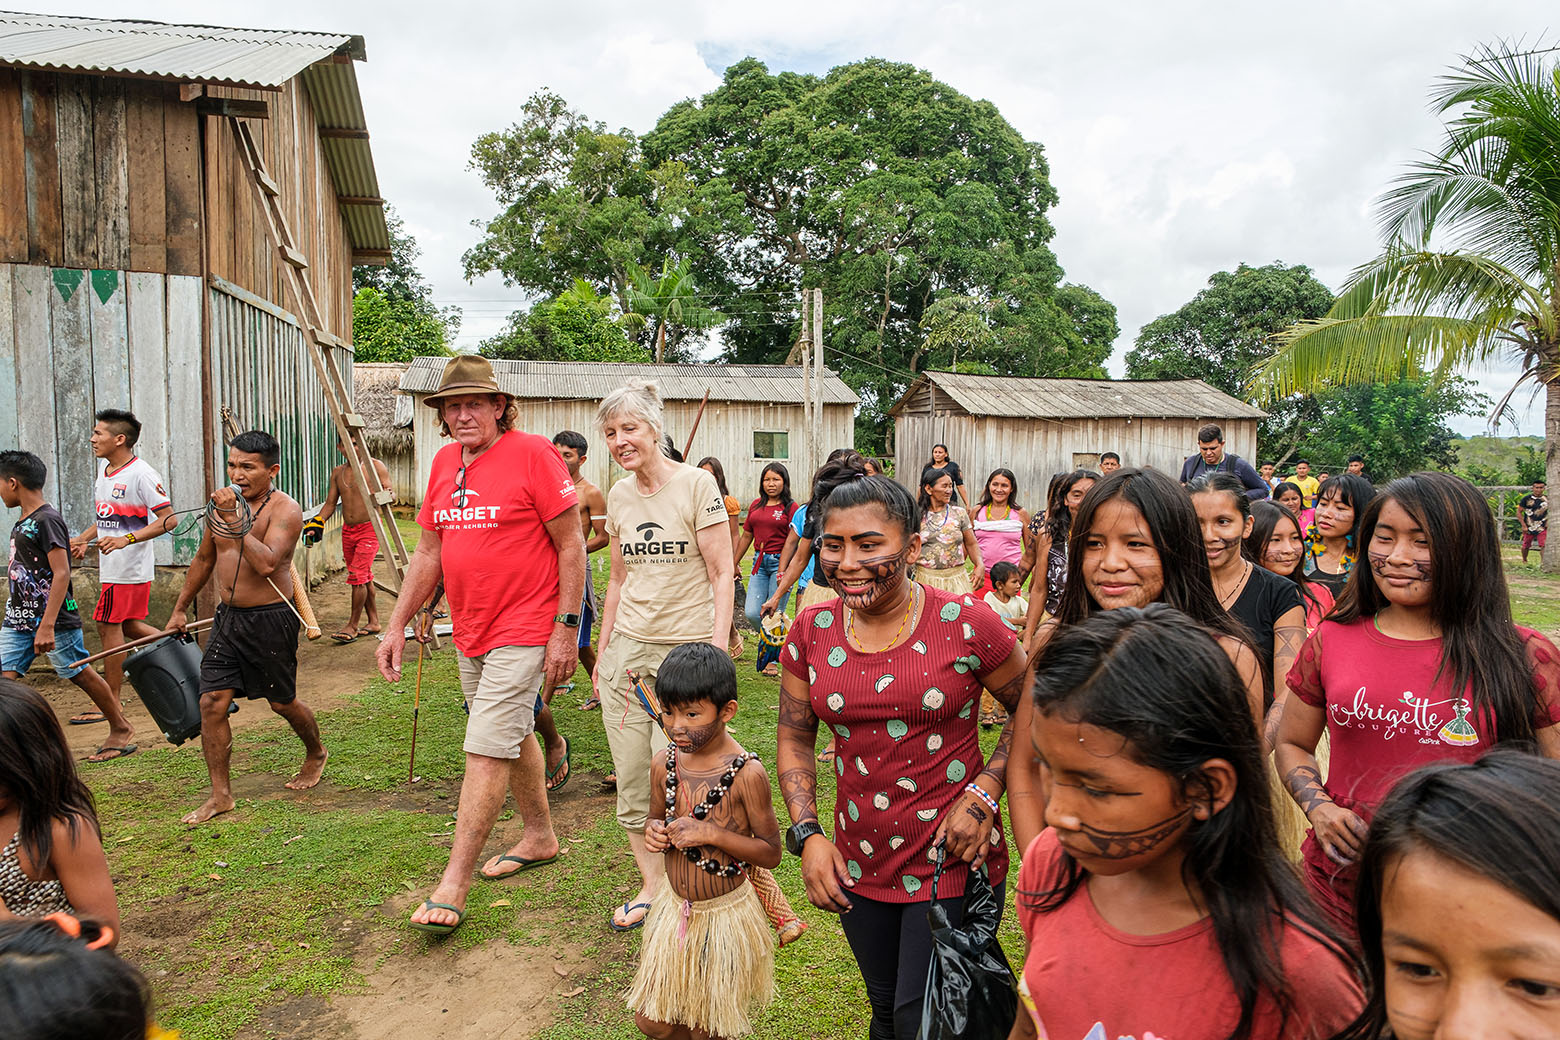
[(318, 341)]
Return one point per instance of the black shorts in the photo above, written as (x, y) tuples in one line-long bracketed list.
[(253, 651)]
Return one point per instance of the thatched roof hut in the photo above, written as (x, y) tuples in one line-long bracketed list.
[(388, 415), (386, 410)]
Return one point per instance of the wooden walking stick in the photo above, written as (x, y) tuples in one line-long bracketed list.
[(787, 925), (411, 763)]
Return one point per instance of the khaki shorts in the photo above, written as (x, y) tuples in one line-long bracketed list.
[(500, 687), (632, 735)]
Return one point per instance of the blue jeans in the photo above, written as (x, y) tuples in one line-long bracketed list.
[(16, 651), (761, 586)]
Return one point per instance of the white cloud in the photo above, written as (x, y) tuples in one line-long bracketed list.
[(1183, 138)]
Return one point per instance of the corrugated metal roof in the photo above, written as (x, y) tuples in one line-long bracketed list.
[(264, 58), (197, 53), (560, 381), (1084, 398)]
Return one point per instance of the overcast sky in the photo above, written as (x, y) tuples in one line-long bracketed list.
[(1183, 138)]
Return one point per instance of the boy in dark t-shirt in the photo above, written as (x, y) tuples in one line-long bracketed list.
[(40, 612)]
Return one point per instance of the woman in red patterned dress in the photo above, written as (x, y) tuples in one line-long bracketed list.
[(895, 670)]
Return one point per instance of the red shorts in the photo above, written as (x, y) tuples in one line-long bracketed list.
[(118, 603), (358, 546)]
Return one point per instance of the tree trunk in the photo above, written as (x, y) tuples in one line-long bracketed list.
[(1551, 553)]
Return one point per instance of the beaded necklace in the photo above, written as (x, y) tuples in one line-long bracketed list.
[(711, 798), (850, 624)]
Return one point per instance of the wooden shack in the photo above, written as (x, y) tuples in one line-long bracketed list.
[(135, 268), (1038, 427), (754, 415)]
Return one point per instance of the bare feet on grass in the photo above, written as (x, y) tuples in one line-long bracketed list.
[(309, 774), (213, 806)]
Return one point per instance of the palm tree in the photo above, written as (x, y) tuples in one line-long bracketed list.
[(1490, 289), (666, 308)]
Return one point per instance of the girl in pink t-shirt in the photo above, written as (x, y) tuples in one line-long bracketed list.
[(1418, 663), (1157, 903)]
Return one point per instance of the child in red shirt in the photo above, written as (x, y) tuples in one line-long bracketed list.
[(1419, 663), (1157, 903)]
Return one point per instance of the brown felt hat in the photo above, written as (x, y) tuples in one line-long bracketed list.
[(464, 374)]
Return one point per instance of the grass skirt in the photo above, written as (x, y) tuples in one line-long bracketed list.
[(815, 594), (706, 964), (949, 579)]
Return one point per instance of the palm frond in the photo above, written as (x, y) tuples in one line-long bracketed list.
[(1375, 348)]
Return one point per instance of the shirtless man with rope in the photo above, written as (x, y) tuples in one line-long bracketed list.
[(253, 645)]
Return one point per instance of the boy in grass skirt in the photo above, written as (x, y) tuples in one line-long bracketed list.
[(708, 956)]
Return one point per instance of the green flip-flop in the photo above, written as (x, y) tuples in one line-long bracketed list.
[(435, 928), (523, 865), (563, 767)]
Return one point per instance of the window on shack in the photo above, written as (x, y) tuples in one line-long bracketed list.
[(771, 444)]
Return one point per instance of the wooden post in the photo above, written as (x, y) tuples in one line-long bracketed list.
[(817, 349), (807, 453)]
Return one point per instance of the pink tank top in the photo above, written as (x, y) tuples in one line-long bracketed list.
[(999, 540)]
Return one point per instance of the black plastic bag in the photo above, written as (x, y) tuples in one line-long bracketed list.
[(970, 990)]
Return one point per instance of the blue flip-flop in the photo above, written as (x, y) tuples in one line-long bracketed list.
[(629, 908)]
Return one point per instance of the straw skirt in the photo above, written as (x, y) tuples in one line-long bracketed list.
[(814, 594), (707, 964), (949, 579)]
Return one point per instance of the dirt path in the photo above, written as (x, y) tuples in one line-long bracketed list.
[(327, 675)]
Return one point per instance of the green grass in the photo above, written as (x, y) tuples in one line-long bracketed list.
[(262, 898)]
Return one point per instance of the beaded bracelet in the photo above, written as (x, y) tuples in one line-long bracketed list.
[(980, 792)]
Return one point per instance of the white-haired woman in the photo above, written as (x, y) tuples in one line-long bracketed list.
[(672, 574)]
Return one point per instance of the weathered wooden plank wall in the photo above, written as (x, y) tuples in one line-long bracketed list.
[(98, 172), (240, 252), (726, 432), (1034, 449), (74, 342)]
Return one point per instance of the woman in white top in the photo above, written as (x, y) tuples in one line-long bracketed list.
[(671, 583)]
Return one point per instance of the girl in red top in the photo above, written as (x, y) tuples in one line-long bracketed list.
[(1418, 663), (1277, 543), (1134, 540), (1157, 903), (768, 522), (1460, 903), (895, 669)]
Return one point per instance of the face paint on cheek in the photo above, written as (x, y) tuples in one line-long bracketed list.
[(1126, 844), (1378, 563), (694, 739)]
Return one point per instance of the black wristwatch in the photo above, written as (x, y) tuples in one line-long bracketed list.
[(797, 836), (571, 620)]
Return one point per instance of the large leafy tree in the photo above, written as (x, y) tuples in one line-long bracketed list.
[(667, 310), (888, 190), (1471, 269), (882, 186), (394, 317), (578, 325), (1399, 426)]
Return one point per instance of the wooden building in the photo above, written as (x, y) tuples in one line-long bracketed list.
[(754, 415), (135, 267), (1038, 427), (387, 414)]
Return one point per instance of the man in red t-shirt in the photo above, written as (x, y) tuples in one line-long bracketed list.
[(500, 525)]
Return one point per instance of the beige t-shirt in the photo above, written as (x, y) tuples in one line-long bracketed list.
[(666, 595)]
